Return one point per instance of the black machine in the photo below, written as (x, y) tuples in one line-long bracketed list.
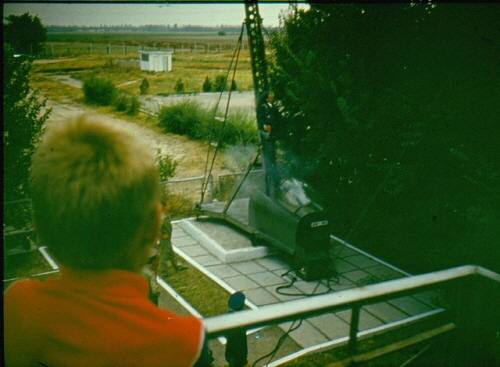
[(282, 212)]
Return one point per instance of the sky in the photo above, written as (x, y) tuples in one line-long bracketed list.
[(92, 14)]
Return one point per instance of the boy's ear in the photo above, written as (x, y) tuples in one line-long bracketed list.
[(158, 217), (151, 229)]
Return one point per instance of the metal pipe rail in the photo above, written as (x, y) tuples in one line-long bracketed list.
[(348, 299)]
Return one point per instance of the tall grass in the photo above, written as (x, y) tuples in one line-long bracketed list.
[(190, 118), (99, 91)]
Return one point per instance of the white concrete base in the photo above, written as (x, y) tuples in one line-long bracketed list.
[(223, 254)]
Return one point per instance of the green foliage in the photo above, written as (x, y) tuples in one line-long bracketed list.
[(144, 87), (191, 119), (220, 83), (24, 115), (99, 91), (233, 85), (183, 118), (380, 118), (128, 103), (166, 166), (207, 85), (25, 34), (179, 86)]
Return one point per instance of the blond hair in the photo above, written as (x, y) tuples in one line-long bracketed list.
[(95, 186)]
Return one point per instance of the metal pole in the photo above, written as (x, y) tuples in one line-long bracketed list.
[(353, 331)]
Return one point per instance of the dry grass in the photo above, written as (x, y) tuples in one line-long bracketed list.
[(55, 90), (207, 297), (191, 68)]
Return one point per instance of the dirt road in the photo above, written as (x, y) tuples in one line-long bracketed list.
[(190, 155)]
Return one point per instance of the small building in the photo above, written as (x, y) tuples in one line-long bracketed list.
[(156, 60)]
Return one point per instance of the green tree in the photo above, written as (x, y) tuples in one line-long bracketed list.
[(207, 85), (166, 166), (389, 111), (24, 33), (179, 86), (24, 114), (144, 87), (220, 83)]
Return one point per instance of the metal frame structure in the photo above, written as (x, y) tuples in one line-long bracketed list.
[(353, 299)]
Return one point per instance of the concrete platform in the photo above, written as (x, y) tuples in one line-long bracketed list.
[(227, 256)]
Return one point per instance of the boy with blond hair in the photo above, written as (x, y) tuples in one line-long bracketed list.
[(96, 199)]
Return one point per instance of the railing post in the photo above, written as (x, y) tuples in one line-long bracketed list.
[(353, 331), (210, 188)]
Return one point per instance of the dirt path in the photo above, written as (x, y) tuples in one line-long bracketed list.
[(191, 155)]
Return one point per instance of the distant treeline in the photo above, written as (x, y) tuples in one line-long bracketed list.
[(144, 28)]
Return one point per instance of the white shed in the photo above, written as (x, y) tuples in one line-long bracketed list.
[(156, 60)]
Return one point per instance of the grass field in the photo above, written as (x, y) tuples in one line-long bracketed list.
[(192, 69)]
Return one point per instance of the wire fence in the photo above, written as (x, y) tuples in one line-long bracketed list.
[(65, 49)]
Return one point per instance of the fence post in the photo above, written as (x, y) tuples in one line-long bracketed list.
[(353, 330), (210, 188)]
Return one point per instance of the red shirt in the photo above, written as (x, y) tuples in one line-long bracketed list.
[(95, 319)]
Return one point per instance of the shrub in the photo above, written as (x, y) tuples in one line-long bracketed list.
[(144, 87), (180, 206), (179, 86), (191, 119), (207, 85), (183, 118), (120, 102), (98, 91), (128, 103), (166, 166), (220, 83)]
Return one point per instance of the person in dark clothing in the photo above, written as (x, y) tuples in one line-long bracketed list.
[(236, 347), (166, 251), (268, 122)]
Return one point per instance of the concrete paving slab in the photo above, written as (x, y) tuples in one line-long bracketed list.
[(361, 261), (273, 263), (286, 294), (208, 260), (357, 276), (194, 250), (342, 252), (223, 271), (241, 283), (331, 325), (183, 241), (343, 283), (384, 272), (386, 312), (343, 266), (311, 288), (261, 297), (266, 279), (430, 298), (410, 305), (248, 267), (366, 319), (228, 237), (306, 335)]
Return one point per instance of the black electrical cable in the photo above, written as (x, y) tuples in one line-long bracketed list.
[(293, 279), (278, 344)]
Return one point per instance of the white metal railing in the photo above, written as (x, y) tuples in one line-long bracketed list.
[(353, 299)]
